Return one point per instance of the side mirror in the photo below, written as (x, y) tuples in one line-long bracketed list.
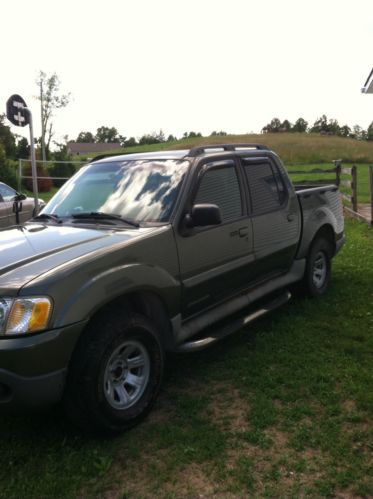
[(203, 215), (20, 197)]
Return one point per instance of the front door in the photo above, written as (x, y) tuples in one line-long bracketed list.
[(216, 261)]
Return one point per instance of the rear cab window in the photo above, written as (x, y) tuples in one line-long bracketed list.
[(267, 191)]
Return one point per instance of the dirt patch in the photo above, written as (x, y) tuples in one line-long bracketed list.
[(227, 408)]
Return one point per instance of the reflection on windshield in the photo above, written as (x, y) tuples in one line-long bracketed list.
[(139, 190)]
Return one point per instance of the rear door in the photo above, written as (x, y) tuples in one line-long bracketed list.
[(275, 217), (215, 261)]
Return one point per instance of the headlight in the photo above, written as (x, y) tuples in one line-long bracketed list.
[(24, 315)]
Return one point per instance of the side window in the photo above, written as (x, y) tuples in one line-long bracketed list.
[(267, 190), (7, 193), (220, 186)]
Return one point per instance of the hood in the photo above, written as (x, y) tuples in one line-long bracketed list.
[(32, 249)]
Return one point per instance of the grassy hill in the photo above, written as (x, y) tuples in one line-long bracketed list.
[(293, 148)]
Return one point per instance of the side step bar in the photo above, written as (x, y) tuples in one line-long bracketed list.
[(234, 325)]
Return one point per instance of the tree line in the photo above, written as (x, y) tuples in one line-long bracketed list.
[(322, 125)]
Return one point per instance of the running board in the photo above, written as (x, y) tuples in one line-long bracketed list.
[(233, 326)]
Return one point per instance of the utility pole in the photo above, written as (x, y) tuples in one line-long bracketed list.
[(42, 122)]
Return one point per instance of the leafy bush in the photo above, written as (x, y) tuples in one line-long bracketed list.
[(61, 170), (7, 170), (44, 184)]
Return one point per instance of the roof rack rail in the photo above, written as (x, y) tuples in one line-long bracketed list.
[(102, 156), (197, 151)]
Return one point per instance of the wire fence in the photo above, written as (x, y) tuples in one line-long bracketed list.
[(50, 174)]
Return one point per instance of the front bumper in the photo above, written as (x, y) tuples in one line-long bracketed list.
[(33, 368)]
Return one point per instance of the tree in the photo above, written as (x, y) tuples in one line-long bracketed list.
[(218, 134), (320, 125), (7, 139), (130, 142), (300, 126), (286, 126), (109, 135), (370, 132), (345, 131), (23, 148), (171, 138), (273, 127), (85, 137), (359, 133), (50, 100), (191, 135)]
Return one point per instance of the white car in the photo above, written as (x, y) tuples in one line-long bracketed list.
[(10, 202)]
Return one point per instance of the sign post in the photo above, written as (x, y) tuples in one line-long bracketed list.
[(368, 86), (19, 114)]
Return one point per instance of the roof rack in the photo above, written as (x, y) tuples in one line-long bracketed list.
[(197, 151), (102, 156)]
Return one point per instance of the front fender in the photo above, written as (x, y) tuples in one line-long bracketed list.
[(102, 288)]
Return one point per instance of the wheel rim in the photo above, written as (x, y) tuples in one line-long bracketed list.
[(319, 271), (126, 374)]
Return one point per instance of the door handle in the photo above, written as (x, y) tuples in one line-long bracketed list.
[(290, 217), (243, 232)]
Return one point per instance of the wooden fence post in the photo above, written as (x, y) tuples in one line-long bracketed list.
[(354, 188), (371, 194), (338, 168)]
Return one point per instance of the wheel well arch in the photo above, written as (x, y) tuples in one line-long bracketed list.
[(146, 303), (326, 231)]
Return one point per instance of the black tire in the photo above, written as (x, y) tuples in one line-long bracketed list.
[(317, 275), (91, 397)]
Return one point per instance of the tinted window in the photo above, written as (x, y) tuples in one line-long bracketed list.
[(220, 186), (7, 193), (267, 190)]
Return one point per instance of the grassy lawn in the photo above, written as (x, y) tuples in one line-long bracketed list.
[(363, 190), (281, 409)]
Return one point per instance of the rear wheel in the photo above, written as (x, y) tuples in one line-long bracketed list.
[(318, 268), (115, 374)]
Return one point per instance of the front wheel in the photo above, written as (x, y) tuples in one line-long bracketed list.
[(115, 374), (318, 268)]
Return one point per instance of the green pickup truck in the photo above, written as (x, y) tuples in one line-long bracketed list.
[(141, 254)]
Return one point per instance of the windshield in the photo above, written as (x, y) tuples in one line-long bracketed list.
[(141, 190)]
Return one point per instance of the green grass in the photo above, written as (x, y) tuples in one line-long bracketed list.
[(363, 189), (293, 148), (45, 196), (281, 409)]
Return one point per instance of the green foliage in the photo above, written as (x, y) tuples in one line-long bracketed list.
[(23, 148), (152, 138), (191, 135), (7, 139), (85, 137), (370, 132), (109, 135), (61, 170), (44, 184), (300, 126), (7, 169), (218, 134)]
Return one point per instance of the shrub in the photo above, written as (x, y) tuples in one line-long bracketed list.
[(7, 170), (61, 170), (44, 184)]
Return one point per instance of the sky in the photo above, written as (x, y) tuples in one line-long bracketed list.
[(204, 65)]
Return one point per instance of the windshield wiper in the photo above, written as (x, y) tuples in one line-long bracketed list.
[(99, 215), (47, 216)]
